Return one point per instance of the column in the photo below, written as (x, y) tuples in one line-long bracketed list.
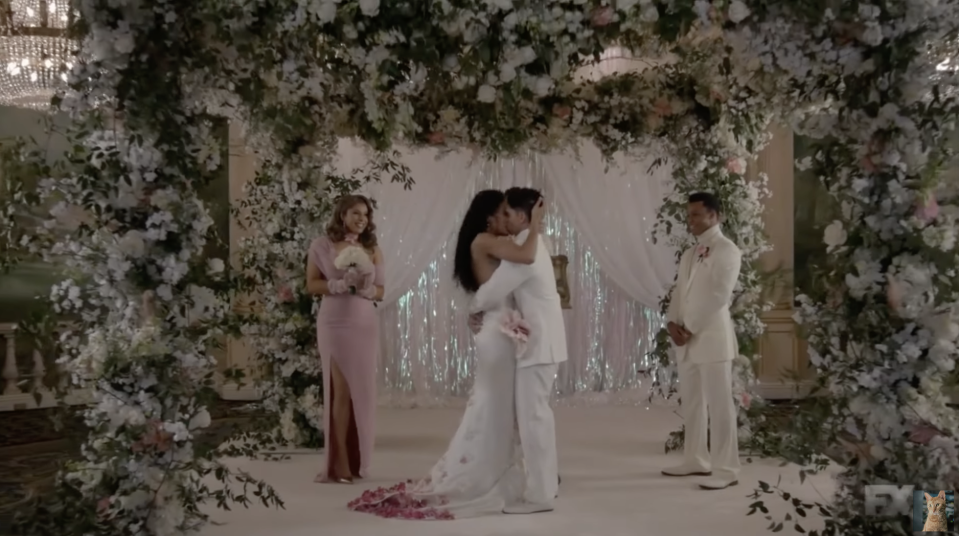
[(242, 170), (782, 353)]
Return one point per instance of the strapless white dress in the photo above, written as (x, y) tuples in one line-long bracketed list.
[(482, 470)]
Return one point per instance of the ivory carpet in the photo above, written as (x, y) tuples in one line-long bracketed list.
[(610, 458)]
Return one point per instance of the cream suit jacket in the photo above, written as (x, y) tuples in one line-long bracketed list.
[(533, 286), (702, 296)]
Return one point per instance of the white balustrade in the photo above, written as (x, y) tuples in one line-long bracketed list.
[(20, 392)]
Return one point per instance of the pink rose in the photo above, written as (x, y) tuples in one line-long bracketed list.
[(663, 107), (285, 294), (736, 165), (562, 111), (436, 138), (746, 399), (601, 16), (103, 507), (927, 209)]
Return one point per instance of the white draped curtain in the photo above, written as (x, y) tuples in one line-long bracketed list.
[(615, 212), (601, 221), (412, 225)]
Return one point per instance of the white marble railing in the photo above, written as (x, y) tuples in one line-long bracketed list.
[(22, 375)]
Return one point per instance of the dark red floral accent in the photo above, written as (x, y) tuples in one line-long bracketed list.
[(396, 502)]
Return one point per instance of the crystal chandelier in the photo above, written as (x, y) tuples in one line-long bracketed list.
[(35, 53)]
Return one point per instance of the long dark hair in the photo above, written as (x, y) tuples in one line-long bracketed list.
[(476, 221), (336, 228)]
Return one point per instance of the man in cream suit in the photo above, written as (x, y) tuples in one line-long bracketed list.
[(704, 341), (534, 288)]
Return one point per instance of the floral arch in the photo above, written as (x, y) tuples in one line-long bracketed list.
[(497, 77), (281, 213)]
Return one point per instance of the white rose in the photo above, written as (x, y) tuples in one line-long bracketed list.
[(649, 14), (200, 420), (326, 12), (625, 5), (542, 86), (124, 43), (738, 11), (834, 235), (370, 7), (214, 266), (486, 93), (132, 244), (450, 62)]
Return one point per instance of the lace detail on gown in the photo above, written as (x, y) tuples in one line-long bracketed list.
[(482, 469)]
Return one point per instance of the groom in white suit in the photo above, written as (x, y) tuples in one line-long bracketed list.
[(704, 341), (534, 288)]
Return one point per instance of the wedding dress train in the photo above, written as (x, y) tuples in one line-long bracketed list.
[(481, 471)]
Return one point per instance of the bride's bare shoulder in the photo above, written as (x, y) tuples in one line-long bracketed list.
[(482, 240)]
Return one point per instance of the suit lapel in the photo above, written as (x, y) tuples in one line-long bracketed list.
[(693, 263)]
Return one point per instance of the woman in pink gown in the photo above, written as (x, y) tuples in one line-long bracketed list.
[(347, 336)]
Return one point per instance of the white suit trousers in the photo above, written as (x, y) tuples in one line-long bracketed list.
[(706, 393), (537, 431)]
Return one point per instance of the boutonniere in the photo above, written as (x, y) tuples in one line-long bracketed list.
[(702, 253)]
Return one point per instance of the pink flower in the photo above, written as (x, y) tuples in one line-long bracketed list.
[(867, 164), (717, 95), (923, 433), (155, 437), (285, 294), (103, 507), (436, 138), (562, 111), (736, 165), (702, 252), (927, 209), (746, 399), (662, 107), (601, 16)]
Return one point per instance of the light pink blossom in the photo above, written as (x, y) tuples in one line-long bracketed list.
[(562, 111), (736, 165), (436, 138), (601, 16), (927, 209)]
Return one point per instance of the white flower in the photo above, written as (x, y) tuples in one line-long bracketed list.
[(370, 7), (542, 86), (200, 420), (215, 266), (132, 244), (352, 257), (834, 235), (486, 93), (738, 11)]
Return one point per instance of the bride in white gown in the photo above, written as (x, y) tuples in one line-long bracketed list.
[(482, 469)]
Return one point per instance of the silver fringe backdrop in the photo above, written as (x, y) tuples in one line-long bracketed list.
[(427, 353)]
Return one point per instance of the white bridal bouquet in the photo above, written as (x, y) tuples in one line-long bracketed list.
[(354, 260)]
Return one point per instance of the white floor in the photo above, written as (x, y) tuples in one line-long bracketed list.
[(610, 458)]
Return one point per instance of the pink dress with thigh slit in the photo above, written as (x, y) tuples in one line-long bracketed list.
[(347, 334)]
